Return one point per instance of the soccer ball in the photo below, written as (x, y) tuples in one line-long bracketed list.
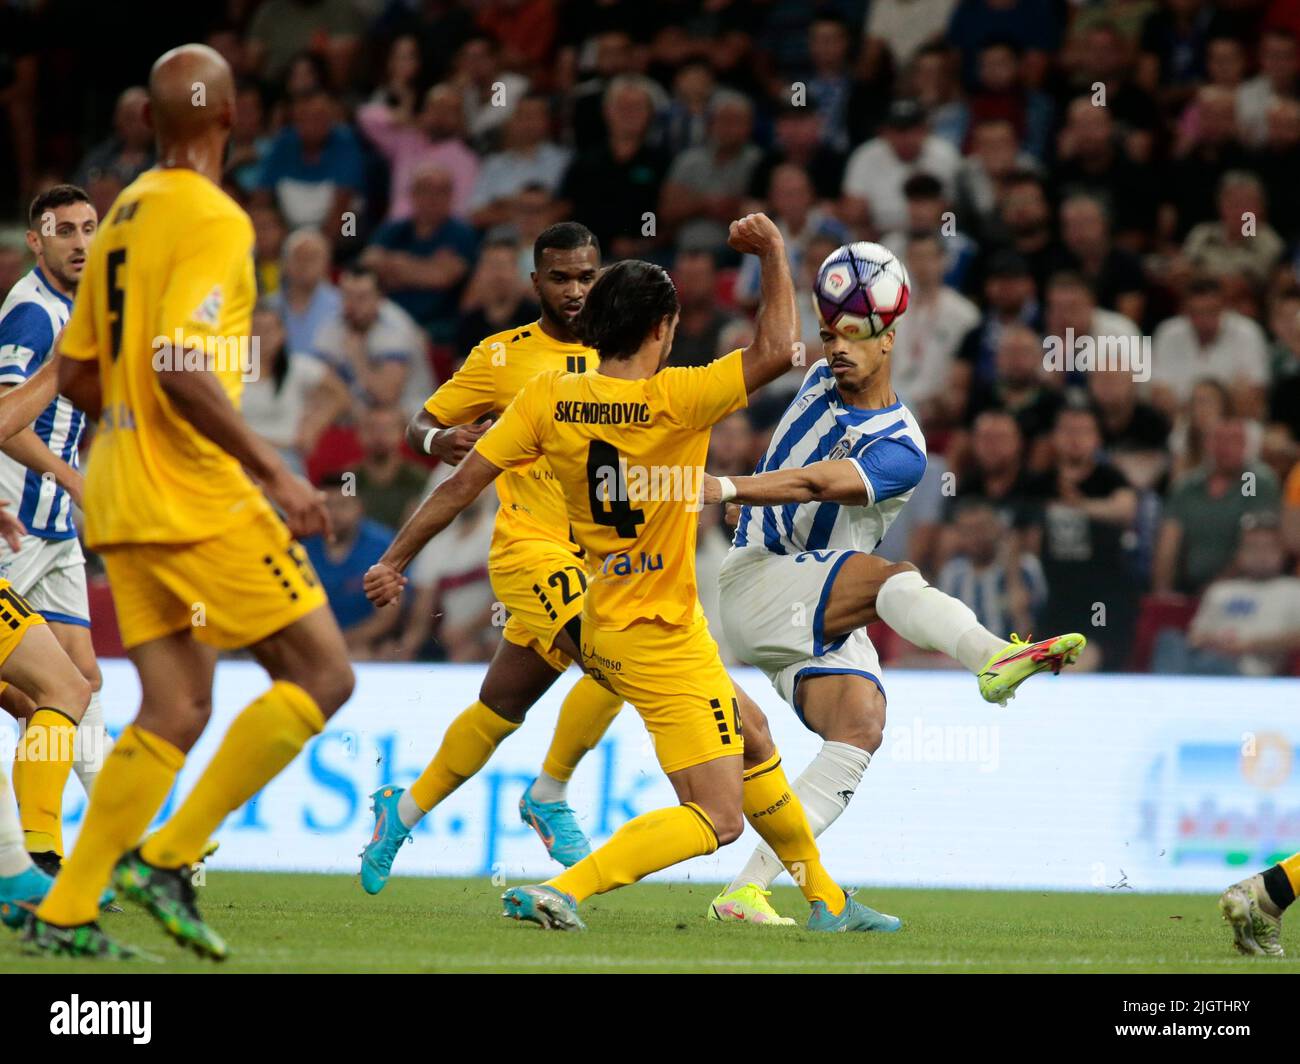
[(861, 290)]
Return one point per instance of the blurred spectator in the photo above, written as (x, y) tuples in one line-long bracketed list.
[(995, 158), (797, 139), (790, 203), (1030, 25), (374, 345), (930, 334), (704, 186), (1203, 513), (1240, 245), (1248, 624), (1208, 341), (306, 300), (1021, 389), (1000, 93), (701, 321), (927, 212), (489, 90), (1088, 507), (342, 561), (1072, 311), (121, 157), (1279, 69), (269, 234), (1003, 587), (313, 169), (496, 298), (1202, 157), (999, 473), (687, 120), (388, 485), (613, 188), (1134, 433), (1024, 224), (1113, 274), (281, 29), (452, 602), (528, 157), (612, 59), (931, 81), (1009, 299), (1277, 165), (1210, 404), (294, 396), (422, 262), (524, 29), (432, 138), (899, 28), (830, 78), (1284, 392), (877, 170), (249, 140)]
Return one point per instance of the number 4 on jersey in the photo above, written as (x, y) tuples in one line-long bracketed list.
[(607, 491)]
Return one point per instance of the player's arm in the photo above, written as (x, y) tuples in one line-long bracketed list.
[(198, 397), (26, 448), (22, 404), (444, 428), (888, 468), (384, 580), (777, 327)]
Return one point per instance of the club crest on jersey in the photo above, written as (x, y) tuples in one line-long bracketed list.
[(841, 450), (209, 311)]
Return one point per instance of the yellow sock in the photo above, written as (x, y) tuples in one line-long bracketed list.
[(468, 743), (1291, 866), (585, 716), (777, 815), (131, 788), (46, 755), (261, 741), (645, 844)]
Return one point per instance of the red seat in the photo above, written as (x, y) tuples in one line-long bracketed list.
[(1156, 612), (104, 633)]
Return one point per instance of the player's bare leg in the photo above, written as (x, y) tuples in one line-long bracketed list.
[(516, 678), (868, 588), (59, 695), (848, 712)]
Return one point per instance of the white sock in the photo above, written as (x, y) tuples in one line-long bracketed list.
[(824, 788), (13, 852), (546, 788), (925, 616), (409, 813), (93, 745)]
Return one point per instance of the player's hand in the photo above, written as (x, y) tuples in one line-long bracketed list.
[(11, 529), (451, 445), (302, 505), (754, 234), (383, 584), (710, 490)]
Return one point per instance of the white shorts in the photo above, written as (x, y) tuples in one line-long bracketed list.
[(772, 607), (51, 575)]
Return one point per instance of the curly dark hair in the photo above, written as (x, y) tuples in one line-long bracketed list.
[(624, 305)]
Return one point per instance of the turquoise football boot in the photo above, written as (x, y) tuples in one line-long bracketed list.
[(20, 894), (390, 833), (853, 917), (556, 825), (552, 909)]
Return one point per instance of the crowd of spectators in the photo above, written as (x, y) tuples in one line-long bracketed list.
[(1061, 178)]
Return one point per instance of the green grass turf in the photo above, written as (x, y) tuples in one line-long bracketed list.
[(315, 923)]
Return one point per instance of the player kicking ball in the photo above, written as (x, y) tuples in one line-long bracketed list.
[(801, 583), (642, 632), (1254, 908)]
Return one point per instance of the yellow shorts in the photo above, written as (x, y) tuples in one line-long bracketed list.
[(233, 590), (675, 679), (541, 585), (17, 615)]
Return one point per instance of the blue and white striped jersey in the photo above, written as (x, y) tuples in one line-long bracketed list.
[(886, 447), (30, 319)]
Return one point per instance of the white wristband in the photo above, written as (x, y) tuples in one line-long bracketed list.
[(428, 439), (727, 489)]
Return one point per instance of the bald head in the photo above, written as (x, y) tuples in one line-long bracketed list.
[(191, 94)]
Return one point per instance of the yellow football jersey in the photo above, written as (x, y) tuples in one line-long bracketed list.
[(532, 504), (629, 456), (171, 268)]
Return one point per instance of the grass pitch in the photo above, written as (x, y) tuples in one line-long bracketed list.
[(318, 923)]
